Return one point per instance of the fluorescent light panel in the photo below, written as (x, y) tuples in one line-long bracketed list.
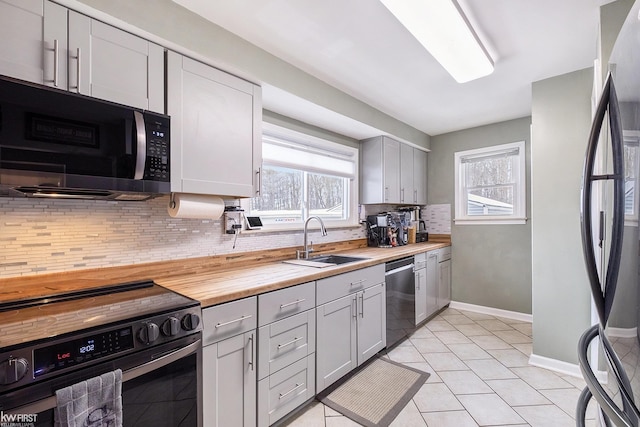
[(441, 27)]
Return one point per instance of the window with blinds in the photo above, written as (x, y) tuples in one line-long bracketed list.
[(303, 176), (490, 185)]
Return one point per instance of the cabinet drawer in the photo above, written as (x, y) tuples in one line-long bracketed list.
[(444, 254), (420, 261), (229, 319), (279, 304), (286, 341), (338, 286), (285, 390)]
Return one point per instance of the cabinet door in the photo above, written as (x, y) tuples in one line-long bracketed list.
[(372, 321), (391, 167), (421, 295), (29, 31), (215, 131), (108, 63), (432, 283), (229, 382), (406, 174), (336, 348), (419, 177), (444, 283)]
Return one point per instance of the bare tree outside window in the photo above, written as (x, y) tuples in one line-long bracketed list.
[(284, 194), (490, 185)]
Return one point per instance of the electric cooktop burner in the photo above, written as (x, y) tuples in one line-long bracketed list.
[(44, 317)]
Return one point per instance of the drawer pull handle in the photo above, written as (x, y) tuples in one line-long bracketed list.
[(298, 301), (358, 282), (282, 395), (290, 342), (240, 319), (251, 344)]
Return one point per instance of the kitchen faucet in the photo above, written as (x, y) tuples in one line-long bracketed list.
[(304, 253)]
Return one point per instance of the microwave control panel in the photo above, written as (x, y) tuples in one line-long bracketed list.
[(157, 164)]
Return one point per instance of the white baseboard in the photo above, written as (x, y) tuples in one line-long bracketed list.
[(491, 311), (563, 367), (622, 332), (541, 361)]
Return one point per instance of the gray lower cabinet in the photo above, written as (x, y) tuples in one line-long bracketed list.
[(420, 277), (444, 277), (229, 364), (286, 351), (351, 322), (429, 287), (432, 283)]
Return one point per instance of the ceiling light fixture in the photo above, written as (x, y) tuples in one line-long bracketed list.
[(442, 28)]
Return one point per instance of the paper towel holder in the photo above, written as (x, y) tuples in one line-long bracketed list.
[(172, 200)]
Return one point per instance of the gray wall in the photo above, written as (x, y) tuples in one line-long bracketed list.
[(491, 263), (561, 119), (220, 48)]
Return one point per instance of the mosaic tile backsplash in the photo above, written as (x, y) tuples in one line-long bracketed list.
[(46, 236), (437, 218)]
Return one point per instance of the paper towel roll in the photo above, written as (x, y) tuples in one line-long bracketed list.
[(186, 205)]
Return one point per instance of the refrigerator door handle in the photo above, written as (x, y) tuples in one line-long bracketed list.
[(603, 293), (628, 416)]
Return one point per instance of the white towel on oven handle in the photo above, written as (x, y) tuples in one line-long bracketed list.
[(96, 402)]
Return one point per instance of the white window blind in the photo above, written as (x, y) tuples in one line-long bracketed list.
[(277, 151)]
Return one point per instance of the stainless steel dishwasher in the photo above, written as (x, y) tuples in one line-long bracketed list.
[(401, 299)]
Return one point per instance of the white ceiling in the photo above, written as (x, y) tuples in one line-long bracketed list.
[(358, 47)]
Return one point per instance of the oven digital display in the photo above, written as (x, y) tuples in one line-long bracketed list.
[(82, 350)]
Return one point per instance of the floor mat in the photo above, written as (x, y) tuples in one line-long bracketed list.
[(375, 395)]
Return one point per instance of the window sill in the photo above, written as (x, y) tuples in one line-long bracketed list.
[(631, 222), (490, 221), (299, 228)]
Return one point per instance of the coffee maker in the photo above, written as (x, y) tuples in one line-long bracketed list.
[(387, 229)]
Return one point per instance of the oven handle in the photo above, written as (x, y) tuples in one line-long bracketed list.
[(51, 401)]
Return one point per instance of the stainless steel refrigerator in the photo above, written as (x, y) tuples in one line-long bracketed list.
[(609, 352)]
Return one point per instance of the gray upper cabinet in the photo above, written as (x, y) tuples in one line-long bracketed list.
[(380, 171), (45, 43), (108, 63), (216, 145), (406, 174), (392, 172), (32, 34), (419, 177)]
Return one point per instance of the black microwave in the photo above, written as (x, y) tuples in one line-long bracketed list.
[(55, 143)]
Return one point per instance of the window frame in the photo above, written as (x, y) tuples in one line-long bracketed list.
[(461, 199), (633, 138), (314, 142)]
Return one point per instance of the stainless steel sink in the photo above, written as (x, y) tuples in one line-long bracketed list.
[(325, 260), (336, 259)]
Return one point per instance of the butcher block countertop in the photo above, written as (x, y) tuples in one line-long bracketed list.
[(217, 279)]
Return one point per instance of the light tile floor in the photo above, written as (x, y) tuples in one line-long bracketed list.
[(480, 376)]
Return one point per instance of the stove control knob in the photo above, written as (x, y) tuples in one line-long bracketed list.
[(171, 327), (12, 370), (148, 333), (190, 322)]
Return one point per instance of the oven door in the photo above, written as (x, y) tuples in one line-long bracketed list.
[(161, 386)]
